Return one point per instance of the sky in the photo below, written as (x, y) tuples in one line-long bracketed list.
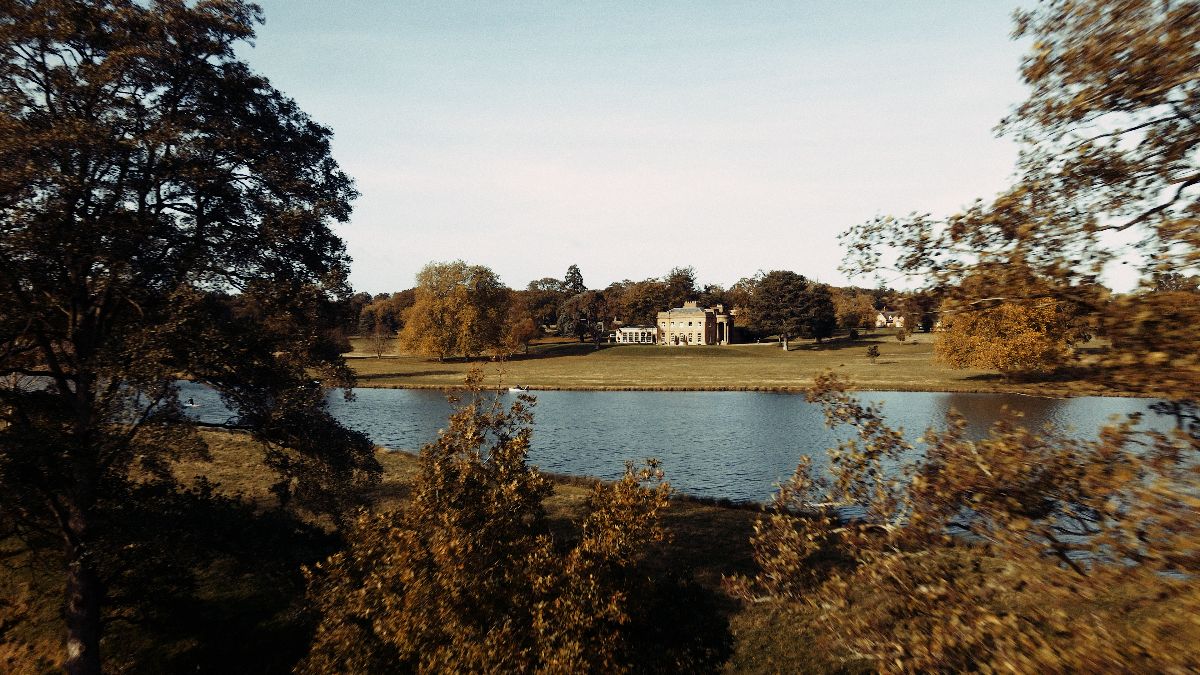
[(632, 137)]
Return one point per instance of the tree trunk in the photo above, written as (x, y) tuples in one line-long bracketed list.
[(82, 611), (784, 340)]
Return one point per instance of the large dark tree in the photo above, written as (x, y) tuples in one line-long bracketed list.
[(573, 282), (583, 315), (543, 297), (147, 173), (787, 304), (818, 317), (642, 301), (681, 286)]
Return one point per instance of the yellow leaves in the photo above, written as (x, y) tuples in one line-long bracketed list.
[(458, 309), (468, 577), (1061, 550), (1011, 336)]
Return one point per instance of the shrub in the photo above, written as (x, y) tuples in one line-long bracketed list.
[(1024, 551), (467, 576), (873, 352)]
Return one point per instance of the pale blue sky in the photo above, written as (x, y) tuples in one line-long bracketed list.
[(629, 138)]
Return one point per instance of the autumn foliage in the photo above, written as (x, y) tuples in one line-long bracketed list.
[(467, 576), (1029, 336), (1023, 551)]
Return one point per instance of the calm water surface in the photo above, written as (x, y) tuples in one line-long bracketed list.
[(714, 444)]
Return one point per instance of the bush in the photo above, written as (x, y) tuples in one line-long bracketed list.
[(873, 352), (1024, 551), (468, 578)]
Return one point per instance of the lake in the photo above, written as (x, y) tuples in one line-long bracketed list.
[(736, 445)]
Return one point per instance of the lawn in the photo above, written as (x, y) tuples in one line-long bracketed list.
[(907, 366)]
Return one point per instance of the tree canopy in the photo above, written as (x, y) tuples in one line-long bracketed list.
[(786, 303), (458, 309), (469, 577), (147, 173), (1109, 138), (573, 283), (1028, 336), (1025, 550), (680, 286)]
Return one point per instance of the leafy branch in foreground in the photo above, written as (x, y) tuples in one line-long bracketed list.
[(1023, 550), (1109, 172), (467, 576), (165, 213)]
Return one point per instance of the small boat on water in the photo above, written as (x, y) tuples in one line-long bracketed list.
[(518, 387)]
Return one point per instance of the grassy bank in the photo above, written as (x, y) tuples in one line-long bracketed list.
[(241, 619), (901, 366)]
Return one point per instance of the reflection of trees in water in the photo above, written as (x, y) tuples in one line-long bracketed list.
[(983, 411)]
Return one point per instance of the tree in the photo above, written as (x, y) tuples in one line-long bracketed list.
[(386, 311), (1109, 136), (573, 282), (583, 316), (379, 341), (984, 554), (1064, 528), (786, 303), (353, 308), (458, 309), (681, 286), (642, 301), (483, 326), (920, 311), (873, 352), (778, 295), (741, 298), (1167, 282), (543, 297), (469, 576), (519, 326), (855, 309), (148, 171), (1031, 336), (712, 295), (818, 317)]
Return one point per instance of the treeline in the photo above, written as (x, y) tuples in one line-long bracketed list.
[(462, 309)]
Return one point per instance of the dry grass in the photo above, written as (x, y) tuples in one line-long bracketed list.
[(707, 543), (901, 366)]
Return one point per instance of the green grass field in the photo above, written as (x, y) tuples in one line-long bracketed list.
[(905, 366)]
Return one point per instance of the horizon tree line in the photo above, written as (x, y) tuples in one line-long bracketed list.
[(462, 309)]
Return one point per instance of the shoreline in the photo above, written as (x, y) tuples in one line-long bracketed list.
[(911, 366), (1036, 392)]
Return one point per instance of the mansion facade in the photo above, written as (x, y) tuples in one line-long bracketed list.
[(680, 327), (694, 325)]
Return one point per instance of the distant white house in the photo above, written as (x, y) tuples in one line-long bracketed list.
[(636, 335), (889, 319), (694, 325)]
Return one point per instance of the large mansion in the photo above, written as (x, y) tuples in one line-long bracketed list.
[(682, 326)]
